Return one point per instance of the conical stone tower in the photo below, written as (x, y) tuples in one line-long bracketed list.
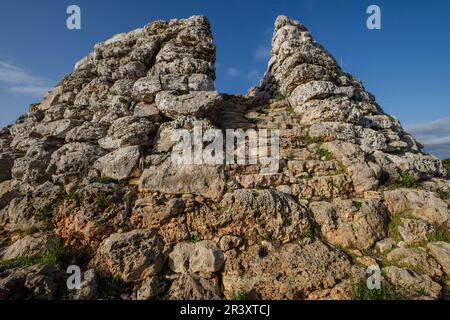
[(91, 169)]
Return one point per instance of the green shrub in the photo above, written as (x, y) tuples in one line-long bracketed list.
[(268, 235), (408, 179), (442, 194), (107, 180), (280, 97), (446, 164), (357, 205), (307, 139), (194, 238), (290, 111), (46, 214), (111, 288), (239, 296), (324, 153), (440, 234), (360, 291), (55, 254), (102, 200)]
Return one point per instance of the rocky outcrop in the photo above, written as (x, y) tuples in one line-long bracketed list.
[(96, 166)]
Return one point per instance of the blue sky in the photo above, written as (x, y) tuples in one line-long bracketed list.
[(406, 64)]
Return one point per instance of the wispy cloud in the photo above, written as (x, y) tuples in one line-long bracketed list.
[(434, 135), (233, 72), (20, 81), (33, 90), (262, 53), (253, 74)]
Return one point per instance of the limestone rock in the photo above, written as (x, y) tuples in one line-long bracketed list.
[(415, 259), (202, 257), (441, 251), (194, 287), (413, 282), (88, 286), (351, 224), (421, 204), (133, 255), (170, 178), (119, 164), (128, 131), (290, 272), (196, 103)]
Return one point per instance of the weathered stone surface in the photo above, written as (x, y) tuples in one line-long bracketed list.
[(170, 178), (133, 255), (128, 131), (199, 257), (270, 214), (419, 203), (38, 282), (29, 245), (20, 214), (194, 287), (289, 272), (351, 224), (88, 131), (413, 230), (56, 129), (441, 251), (74, 159), (92, 214), (196, 103), (145, 89), (147, 110), (413, 282), (32, 167), (166, 137), (88, 286), (415, 259), (151, 288), (119, 115), (119, 164)]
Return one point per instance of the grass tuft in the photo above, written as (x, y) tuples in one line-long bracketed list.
[(408, 179), (360, 291)]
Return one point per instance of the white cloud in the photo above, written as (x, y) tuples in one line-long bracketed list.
[(233, 72), (21, 81), (253, 74), (262, 53), (434, 135), (32, 90)]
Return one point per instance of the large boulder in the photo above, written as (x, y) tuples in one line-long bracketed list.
[(202, 257), (128, 131), (119, 164), (254, 215), (133, 255), (196, 103), (171, 178), (412, 283), (421, 204), (289, 272), (350, 223), (441, 251), (74, 159), (415, 259)]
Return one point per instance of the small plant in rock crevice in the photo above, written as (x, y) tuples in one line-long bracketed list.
[(360, 291), (408, 179)]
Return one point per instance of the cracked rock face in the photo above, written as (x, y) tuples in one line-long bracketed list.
[(92, 166)]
